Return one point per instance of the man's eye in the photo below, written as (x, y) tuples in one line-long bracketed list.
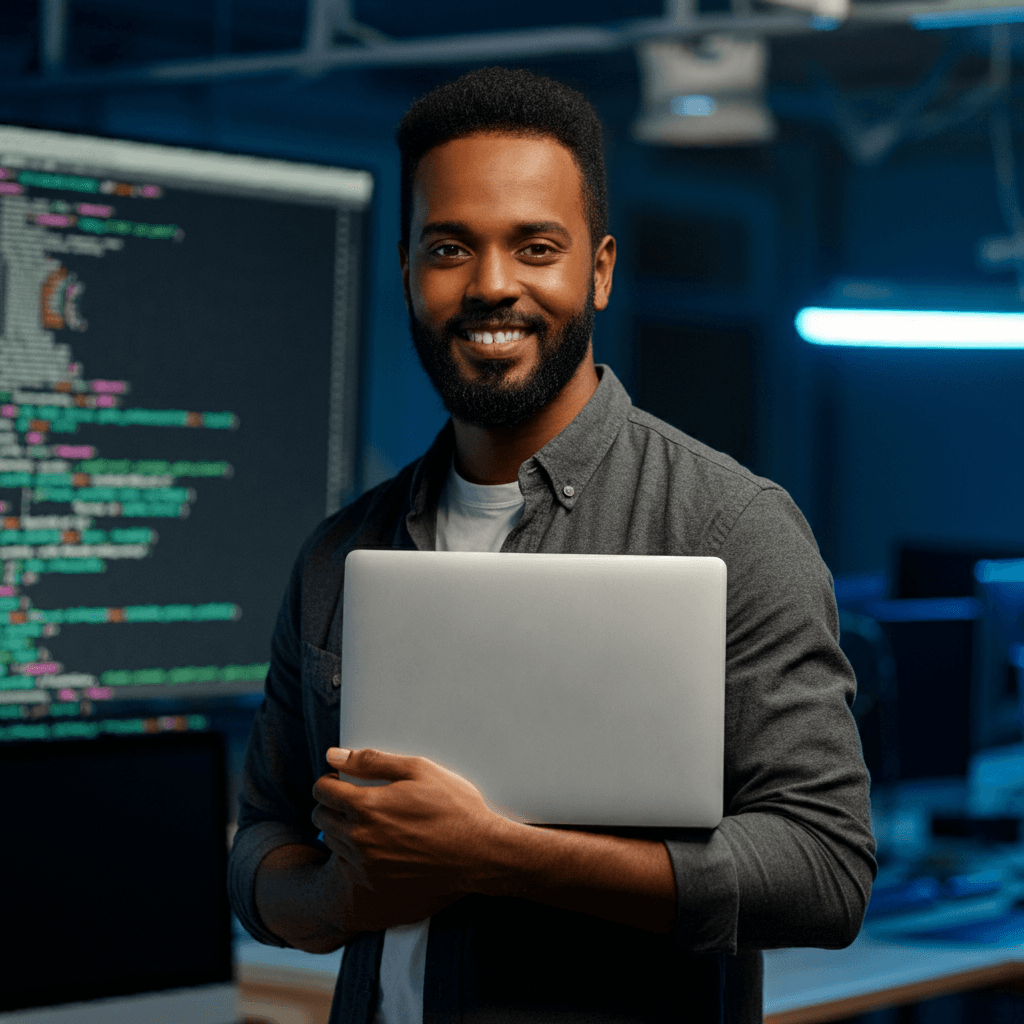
[(537, 249), (447, 250)]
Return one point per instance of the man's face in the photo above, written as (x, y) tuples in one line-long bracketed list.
[(499, 276)]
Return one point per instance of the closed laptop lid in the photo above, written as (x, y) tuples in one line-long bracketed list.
[(570, 689)]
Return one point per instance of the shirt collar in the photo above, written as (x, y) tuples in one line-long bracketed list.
[(568, 460)]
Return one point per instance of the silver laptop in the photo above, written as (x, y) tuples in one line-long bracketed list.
[(570, 689)]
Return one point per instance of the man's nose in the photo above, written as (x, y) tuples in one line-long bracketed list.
[(495, 281)]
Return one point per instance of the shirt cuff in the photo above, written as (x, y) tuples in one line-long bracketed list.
[(707, 892), (251, 845)]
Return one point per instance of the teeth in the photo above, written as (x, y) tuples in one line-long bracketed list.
[(488, 338)]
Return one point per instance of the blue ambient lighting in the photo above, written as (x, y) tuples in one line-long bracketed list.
[(903, 328), (924, 609), (968, 18), (1003, 570), (694, 106)]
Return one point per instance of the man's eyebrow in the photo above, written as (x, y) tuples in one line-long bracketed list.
[(459, 228), (545, 227), (444, 227)]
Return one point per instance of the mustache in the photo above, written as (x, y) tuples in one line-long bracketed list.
[(501, 320)]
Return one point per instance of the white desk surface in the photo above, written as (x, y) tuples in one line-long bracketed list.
[(798, 978), (794, 978), (271, 962)]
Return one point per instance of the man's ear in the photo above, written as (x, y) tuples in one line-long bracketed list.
[(604, 265), (403, 261)]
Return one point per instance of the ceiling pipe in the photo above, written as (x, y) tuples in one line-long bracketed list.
[(524, 44), (53, 36)]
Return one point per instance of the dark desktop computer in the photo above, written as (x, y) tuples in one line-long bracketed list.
[(113, 863), (997, 694)]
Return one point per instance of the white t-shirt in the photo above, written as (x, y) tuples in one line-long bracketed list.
[(470, 517)]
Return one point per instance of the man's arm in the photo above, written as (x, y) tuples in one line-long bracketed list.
[(431, 834), (629, 881), (306, 897), (792, 862), (292, 901)]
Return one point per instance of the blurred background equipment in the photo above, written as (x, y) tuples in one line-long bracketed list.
[(709, 93), (997, 693)]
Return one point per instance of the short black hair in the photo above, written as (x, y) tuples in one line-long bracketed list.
[(512, 101)]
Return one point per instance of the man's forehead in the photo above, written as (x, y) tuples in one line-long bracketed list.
[(497, 166)]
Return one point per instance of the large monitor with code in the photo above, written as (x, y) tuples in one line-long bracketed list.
[(179, 333)]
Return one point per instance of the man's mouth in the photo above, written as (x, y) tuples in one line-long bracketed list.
[(504, 337)]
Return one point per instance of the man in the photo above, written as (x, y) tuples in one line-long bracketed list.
[(504, 260)]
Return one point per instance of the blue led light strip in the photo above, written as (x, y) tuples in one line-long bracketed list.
[(967, 17), (902, 328), (1003, 570), (924, 609)]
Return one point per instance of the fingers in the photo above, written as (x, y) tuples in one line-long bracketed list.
[(327, 819), (335, 835), (375, 764), (339, 796)]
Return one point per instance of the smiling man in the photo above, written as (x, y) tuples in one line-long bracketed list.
[(449, 911)]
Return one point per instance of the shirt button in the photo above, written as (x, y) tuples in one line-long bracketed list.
[(336, 679), (568, 490)]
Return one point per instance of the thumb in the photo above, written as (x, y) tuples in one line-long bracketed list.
[(372, 764)]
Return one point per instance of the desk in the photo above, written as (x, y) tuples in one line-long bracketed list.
[(802, 986), (284, 986), (812, 986)]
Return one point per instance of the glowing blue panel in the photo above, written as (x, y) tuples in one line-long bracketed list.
[(904, 328), (694, 106), (964, 18), (924, 609), (1004, 570)]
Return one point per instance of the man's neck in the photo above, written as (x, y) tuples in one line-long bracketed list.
[(493, 456)]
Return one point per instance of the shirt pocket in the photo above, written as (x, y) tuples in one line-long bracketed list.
[(321, 674), (321, 694)]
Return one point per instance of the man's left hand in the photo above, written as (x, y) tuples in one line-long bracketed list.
[(429, 823)]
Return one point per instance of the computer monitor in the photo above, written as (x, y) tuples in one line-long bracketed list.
[(937, 570), (997, 694), (114, 862), (179, 333)]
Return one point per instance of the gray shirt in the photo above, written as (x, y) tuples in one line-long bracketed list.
[(791, 864)]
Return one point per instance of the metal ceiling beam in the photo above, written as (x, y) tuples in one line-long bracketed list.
[(526, 44)]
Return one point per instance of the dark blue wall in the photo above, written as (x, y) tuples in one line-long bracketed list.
[(928, 445)]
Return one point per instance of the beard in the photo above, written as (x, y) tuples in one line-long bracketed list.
[(490, 400)]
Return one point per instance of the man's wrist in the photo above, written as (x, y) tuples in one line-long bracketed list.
[(629, 881), (513, 859)]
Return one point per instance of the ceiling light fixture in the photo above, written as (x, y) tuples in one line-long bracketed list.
[(903, 328), (709, 93)]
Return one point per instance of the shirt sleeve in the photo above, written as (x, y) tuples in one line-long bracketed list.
[(275, 785), (792, 862)]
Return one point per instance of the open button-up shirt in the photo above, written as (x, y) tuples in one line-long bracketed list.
[(791, 864)]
